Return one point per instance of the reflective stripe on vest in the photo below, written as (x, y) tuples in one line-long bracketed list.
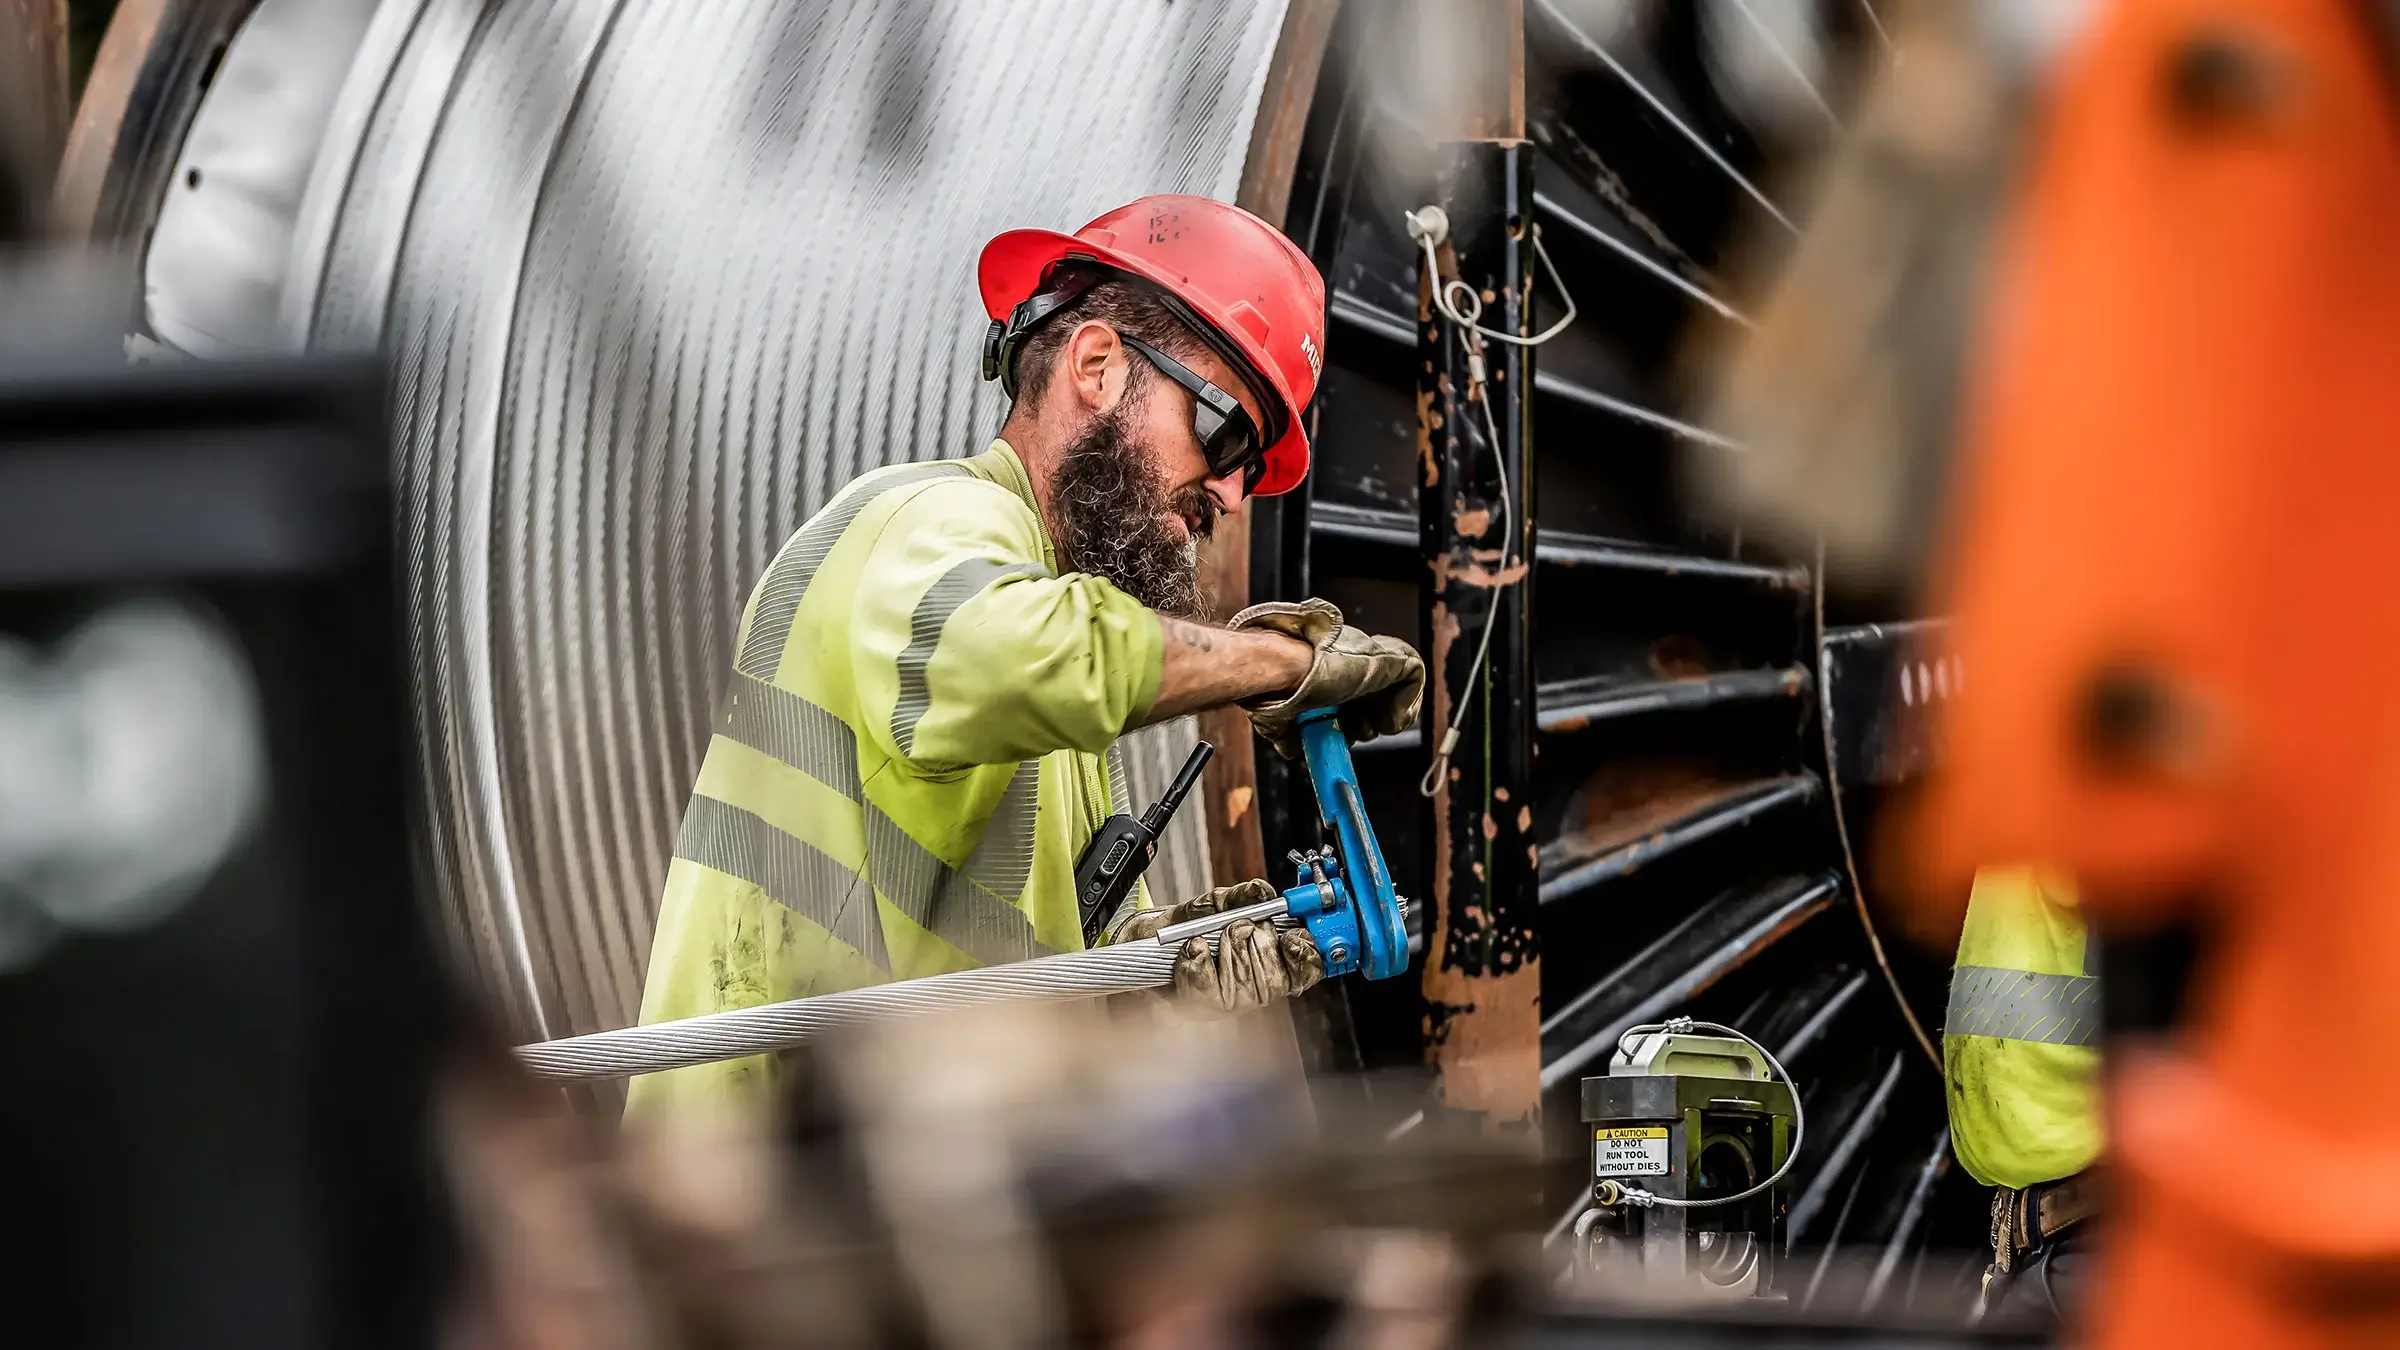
[(968, 907), (971, 907), (2019, 1005), (2020, 1046), (793, 872)]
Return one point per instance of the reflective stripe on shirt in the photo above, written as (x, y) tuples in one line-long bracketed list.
[(2021, 1005), (970, 907)]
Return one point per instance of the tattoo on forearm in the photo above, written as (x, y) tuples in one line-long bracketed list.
[(1199, 637)]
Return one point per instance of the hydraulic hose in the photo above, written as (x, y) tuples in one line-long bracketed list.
[(1618, 1193)]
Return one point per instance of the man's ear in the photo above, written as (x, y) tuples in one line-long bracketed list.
[(1094, 366)]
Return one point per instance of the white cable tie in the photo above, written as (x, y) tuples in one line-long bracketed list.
[(1429, 225), (1429, 228), (1432, 781)]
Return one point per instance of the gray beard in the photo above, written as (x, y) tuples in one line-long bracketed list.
[(1111, 515)]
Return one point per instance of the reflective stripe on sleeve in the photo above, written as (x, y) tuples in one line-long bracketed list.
[(960, 584), (2019, 1005)]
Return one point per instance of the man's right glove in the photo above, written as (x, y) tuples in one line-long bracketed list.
[(1254, 964), (1376, 681)]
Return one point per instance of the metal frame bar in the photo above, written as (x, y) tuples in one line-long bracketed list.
[(1849, 1137), (1345, 308), (1556, 548), (1585, 1031), (1713, 819), (1576, 704)]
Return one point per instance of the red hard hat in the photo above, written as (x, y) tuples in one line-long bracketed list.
[(1234, 270)]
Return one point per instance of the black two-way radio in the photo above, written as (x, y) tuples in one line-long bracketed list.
[(1122, 849)]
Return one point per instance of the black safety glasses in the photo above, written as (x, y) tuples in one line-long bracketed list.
[(1228, 438)]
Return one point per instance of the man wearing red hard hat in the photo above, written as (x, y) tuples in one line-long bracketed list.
[(912, 753)]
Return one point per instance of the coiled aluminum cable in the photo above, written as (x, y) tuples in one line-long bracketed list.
[(1063, 978), (656, 280)]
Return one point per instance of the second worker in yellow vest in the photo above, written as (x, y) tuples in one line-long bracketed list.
[(911, 753), (2021, 1062)]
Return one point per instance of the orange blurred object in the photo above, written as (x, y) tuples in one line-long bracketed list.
[(2176, 574)]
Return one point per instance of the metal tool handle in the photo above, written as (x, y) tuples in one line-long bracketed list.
[(1265, 911)]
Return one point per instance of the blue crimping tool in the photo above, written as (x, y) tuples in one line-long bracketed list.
[(1344, 894)]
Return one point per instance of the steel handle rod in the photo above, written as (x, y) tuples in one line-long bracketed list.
[(1265, 911)]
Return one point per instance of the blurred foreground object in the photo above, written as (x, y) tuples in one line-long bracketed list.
[(218, 1003), (1843, 397), (1041, 1175), (2172, 576), (1061, 1174)]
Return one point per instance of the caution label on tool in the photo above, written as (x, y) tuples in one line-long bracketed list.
[(1640, 1152)]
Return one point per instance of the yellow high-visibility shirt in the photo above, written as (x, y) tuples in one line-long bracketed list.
[(909, 759), (2020, 1044)]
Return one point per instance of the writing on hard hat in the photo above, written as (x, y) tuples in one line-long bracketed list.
[(1243, 288)]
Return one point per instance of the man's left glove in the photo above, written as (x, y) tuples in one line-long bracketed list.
[(1377, 682), (1254, 963)]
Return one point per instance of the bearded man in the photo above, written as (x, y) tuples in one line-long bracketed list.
[(911, 754)]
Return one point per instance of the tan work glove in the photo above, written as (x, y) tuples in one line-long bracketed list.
[(1376, 681), (1254, 963)]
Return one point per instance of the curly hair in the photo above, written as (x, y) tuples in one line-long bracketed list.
[(1127, 306)]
